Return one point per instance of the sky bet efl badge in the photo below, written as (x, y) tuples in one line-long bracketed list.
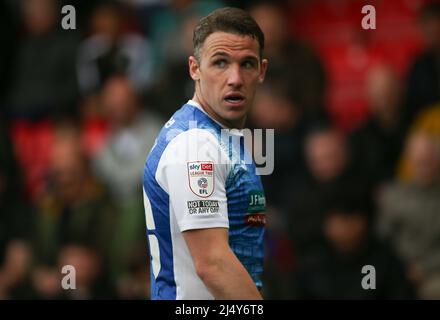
[(201, 178)]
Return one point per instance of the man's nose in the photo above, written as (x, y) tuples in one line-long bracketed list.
[(235, 78)]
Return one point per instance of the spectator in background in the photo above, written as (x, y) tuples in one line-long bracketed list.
[(292, 60), (14, 272), (172, 30), (15, 221), (409, 215), (74, 224), (119, 164), (302, 210), (174, 86), (15, 224), (376, 145), (43, 82), (166, 24), (334, 271), (274, 109), (327, 161), (111, 49), (427, 121), (132, 130), (423, 86)]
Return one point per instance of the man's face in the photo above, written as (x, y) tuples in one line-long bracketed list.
[(345, 232), (326, 154), (227, 75), (424, 158)]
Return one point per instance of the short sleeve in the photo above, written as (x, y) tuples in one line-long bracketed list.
[(193, 170)]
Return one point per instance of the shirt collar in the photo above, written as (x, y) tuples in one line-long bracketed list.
[(198, 106)]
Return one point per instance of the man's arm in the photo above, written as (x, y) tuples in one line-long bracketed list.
[(218, 267)]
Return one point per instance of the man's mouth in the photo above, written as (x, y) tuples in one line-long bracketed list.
[(235, 98)]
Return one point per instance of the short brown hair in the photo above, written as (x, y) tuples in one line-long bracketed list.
[(231, 20)]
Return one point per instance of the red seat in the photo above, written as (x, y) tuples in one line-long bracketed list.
[(32, 143), (94, 133), (347, 51)]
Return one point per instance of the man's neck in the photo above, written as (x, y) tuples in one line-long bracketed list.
[(215, 117)]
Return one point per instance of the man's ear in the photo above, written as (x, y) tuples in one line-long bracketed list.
[(264, 64), (194, 69)]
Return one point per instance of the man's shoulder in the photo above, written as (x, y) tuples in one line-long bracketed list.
[(180, 141), (189, 116), (190, 121)]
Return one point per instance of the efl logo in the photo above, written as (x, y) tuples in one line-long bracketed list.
[(201, 178)]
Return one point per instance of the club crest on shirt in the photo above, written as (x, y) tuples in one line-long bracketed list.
[(201, 178)]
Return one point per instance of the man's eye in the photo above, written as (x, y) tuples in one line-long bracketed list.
[(248, 64), (220, 63)]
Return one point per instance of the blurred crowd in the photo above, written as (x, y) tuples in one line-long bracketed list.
[(357, 144)]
